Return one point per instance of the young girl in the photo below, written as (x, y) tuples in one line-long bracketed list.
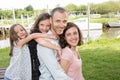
[(20, 63), (70, 60), (41, 25)]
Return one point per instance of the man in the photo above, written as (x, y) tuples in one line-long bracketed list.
[(49, 66)]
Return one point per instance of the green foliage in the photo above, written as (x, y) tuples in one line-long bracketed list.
[(105, 9), (99, 20), (29, 8), (102, 8), (82, 8), (104, 41), (71, 7), (103, 20), (4, 14), (20, 12)]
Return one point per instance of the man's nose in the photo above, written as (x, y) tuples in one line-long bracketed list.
[(62, 25)]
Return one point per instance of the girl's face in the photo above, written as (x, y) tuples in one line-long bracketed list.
[(21, 33), (72, 36), (44, 25)]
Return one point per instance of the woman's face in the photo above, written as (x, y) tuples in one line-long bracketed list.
[(72, 36), (44, 25), (21, 33)]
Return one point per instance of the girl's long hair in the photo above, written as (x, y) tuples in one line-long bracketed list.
[(13, 37)]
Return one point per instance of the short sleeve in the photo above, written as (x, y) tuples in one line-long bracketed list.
[(66, 54)]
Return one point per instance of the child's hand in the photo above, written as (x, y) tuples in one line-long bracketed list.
[(59, 53), (53, 37)]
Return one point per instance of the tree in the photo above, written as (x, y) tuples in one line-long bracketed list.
[(20, 12), (82, 9), (29, 8), (71, 7)]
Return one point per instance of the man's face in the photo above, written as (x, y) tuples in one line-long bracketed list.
[(59, 22)]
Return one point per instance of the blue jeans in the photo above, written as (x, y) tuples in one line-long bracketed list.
[(5, 78)]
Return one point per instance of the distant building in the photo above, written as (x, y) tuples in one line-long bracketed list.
[(113, 29)]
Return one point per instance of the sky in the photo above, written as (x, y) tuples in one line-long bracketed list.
[(40, 4)]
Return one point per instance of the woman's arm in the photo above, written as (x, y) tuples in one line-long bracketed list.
[(64, 64)]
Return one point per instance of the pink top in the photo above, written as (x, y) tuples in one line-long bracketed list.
[(75, 69)]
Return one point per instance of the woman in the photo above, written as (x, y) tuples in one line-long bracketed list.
[(70, 60)]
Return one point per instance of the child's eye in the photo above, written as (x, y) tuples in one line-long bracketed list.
[(22, 30), (41, 24), (75, 33)]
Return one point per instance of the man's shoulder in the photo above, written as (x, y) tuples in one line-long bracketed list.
[(49, 32)]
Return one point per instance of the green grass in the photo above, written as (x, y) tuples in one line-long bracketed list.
[(101, 59), (103, 20), (4, 57)]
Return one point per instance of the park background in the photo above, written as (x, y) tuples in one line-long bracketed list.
[(100, 56)]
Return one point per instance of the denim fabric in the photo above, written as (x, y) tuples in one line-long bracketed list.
[(5, 78)]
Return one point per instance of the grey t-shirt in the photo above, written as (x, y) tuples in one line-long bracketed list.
[(49, 66)]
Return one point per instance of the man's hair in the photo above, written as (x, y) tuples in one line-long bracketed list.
[(59, 9)]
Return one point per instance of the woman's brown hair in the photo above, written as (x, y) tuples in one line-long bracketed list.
[(63, 43)]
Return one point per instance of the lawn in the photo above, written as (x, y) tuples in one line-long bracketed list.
[(101, 59), (4, 57)]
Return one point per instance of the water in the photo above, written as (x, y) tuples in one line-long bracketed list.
[(95, 29), (113, 33)]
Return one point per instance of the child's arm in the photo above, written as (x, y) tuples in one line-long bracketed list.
[(44, 35), (21, 42), (48, 44)]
